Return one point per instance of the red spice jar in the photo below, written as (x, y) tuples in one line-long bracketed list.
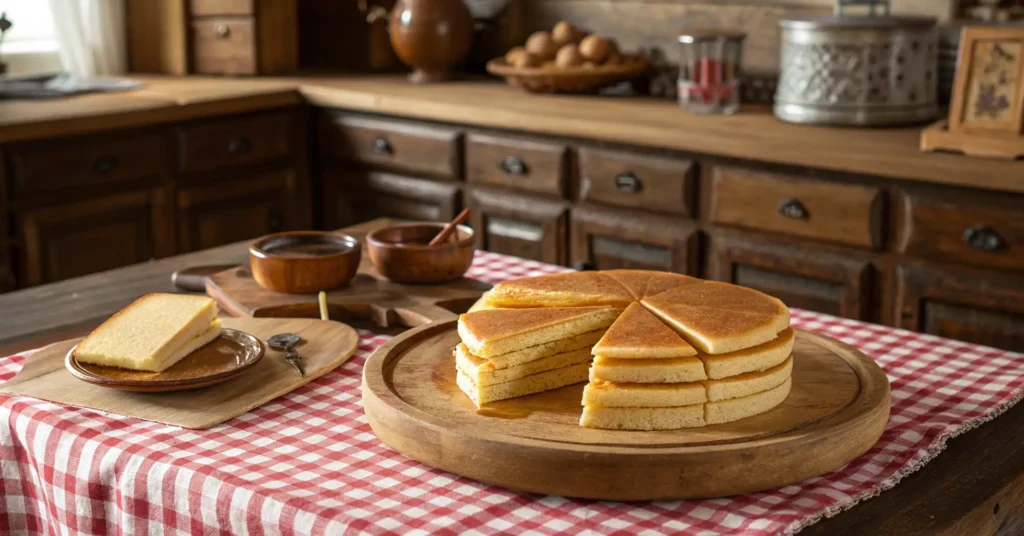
[(709, 70)]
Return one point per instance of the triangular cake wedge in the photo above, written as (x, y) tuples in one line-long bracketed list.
[(499, 331), (483, 373), (718, 318), (645, 283), (754, 359), (527, 385), (572, 289), (638, 334)]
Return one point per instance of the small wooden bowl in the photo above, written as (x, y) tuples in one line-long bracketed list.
[(302, 262), (402, 255)]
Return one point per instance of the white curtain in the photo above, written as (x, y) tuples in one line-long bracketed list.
[(91, 35)]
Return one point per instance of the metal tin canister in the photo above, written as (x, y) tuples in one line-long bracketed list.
[(857, 70)]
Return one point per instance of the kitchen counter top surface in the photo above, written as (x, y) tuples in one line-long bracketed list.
[(753, 134)]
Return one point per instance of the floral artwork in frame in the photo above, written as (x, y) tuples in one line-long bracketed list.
[(989, 92)]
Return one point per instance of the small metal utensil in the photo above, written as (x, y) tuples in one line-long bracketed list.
[(286, 342)]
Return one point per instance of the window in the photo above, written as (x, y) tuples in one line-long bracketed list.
[(31, 44)]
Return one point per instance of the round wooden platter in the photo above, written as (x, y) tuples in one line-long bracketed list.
[(836, 410)]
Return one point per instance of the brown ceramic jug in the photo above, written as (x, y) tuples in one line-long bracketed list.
[(431, 36)]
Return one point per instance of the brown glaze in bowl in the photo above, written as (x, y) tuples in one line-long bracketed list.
[(302, 262), (402, 255)]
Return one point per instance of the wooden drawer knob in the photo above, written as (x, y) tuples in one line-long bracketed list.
[(793, 208), (984, 238), (223, 31), (628, 183), (513, 165), (382, 146)]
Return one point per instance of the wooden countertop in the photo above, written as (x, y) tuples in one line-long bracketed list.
[(956, 493), (752, 134)]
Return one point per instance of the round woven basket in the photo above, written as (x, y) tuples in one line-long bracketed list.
[(568, 79)]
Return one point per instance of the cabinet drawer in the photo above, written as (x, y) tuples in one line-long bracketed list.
[(517, 163), (235, 141), (421, 148), (519, 225), (224, 45), (844, 213), (982, 230), (608, 239), (48, 167), (636, 181), (204, 8), (352, 196)]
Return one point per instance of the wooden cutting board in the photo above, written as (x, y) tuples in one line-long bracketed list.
[(368, 296), (326, 346), (836, 410)]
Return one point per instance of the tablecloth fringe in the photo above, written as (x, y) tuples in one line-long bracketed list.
[(933, 450)]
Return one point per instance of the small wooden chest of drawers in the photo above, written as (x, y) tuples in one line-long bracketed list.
[(244, 36)]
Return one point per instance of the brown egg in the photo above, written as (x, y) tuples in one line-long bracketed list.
[(589, 65), (565, 33), (541, 45), (511, 55), (569, 56), (526, 60), (595, 48)]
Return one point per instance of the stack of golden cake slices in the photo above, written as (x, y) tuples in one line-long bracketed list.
[(662, 351)]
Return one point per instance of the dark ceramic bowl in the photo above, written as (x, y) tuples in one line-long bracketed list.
[(402, 255)]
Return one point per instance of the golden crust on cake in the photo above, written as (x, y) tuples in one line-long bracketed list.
[(572, 289), (639, 334)]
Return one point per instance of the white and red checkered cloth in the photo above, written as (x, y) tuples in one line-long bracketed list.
[(308, 463)]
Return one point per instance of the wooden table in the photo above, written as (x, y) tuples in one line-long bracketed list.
[(975, 487)]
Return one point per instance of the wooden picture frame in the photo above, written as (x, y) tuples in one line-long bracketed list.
[(988, 92)]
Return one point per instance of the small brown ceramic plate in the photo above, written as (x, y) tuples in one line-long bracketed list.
[(224, 358)]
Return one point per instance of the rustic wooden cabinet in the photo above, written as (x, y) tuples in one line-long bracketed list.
[(608, 238), (961, 303), (352, 195), (221, 213), (828, 280), (75, 238), (519, 225)]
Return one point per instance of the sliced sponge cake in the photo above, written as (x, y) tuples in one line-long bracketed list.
[(499, 331), (639, 334), (574, 289)]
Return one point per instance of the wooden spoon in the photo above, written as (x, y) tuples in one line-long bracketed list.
[(450, 228)]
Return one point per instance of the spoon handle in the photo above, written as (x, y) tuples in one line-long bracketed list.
[(295, 360), (450, 228)]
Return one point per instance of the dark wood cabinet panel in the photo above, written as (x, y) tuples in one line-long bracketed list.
[(985, 230), (818, 279), (636, 180), (236, 141), (519, 225), (961, 303), (86, 162), (432, 150), (843, 213), (7, 281), (241, 209), (524, 164), (607, 239), (355, 195), (224, 45), (83, 237)]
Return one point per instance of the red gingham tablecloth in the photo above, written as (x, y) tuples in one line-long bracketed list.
[(308, 463)]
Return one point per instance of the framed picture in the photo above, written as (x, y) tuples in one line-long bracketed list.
[(988, 95)]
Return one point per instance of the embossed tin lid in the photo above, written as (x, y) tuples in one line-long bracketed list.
[(823, 22)]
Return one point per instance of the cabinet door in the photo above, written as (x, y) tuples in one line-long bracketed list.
[(971, 305), (352, 196), (827, 280), (606, 239), (84, 237), (225, 212), (519, 225)]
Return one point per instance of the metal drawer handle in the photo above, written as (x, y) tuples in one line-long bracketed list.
[(239, 145), (793, 208), (628, 183), (223, 31), (104, 164), (984, 238), (513, 165), (381, 146)]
